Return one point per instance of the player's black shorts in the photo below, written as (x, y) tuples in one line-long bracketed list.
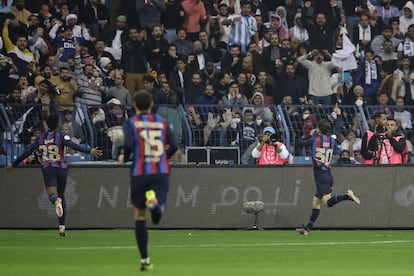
[(140, 184), (324, 183), (55, 177)]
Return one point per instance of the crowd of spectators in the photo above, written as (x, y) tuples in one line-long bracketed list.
[(238, 54)]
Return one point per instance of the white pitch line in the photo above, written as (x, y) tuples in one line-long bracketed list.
[(286, 244), (213, 245)]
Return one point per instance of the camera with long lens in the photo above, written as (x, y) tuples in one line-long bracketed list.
[(381, 130)]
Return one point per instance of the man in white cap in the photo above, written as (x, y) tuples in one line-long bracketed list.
[(105, 64), (78, 30)]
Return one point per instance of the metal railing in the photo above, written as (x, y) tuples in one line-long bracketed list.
[(193, 125)]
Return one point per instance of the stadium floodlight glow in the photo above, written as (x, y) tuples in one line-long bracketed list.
[(254, 207)]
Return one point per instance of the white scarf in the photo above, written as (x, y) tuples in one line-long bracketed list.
[(364, 33), (300, 33), (408, 47), (370, 71), (22, 55)]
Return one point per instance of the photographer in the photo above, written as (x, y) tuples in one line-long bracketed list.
[(380, 119), (387, 144), (270, 150)]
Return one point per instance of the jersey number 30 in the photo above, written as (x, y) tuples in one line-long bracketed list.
[(324, 155)]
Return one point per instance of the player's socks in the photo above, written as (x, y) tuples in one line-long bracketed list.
[(145, 260), (151, 199), (336, 199), (62, 229), (146, 264), (52, 198), (156, 214), (141, 235), (152, 205), (314, 216)]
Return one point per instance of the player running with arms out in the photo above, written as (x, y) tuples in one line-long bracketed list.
[(51, 145), (151, 141), (323, 149)]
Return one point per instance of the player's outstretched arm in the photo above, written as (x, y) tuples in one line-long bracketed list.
[(96, 152), (93, 151)]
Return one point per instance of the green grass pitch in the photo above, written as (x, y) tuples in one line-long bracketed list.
[(208, 252)]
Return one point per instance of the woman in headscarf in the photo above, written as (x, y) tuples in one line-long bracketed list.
[(277, 27), (281, 11)]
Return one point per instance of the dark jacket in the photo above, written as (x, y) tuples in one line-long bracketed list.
[(175, 84), (193, 93), (109, 35), (267, 62), (322, 38), (87, 14), (156, 57), (133, 58), (294, 86), (171, 16)]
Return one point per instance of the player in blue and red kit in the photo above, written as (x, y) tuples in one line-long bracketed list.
[(323, 149), (151, 141), (50, 146)]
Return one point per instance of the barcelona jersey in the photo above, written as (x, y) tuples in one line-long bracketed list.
[(51, 145), (323, 149), (147, 136)]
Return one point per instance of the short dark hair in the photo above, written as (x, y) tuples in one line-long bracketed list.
[(43, 67), (324, 126), (394, 19), (53, 121), (235, 46), (181, 58), (248, 110), (180, 29), (386, 28), (369, 51), (143, 99), (378, 115), (148, 78), (244, 2), (46, 82)]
